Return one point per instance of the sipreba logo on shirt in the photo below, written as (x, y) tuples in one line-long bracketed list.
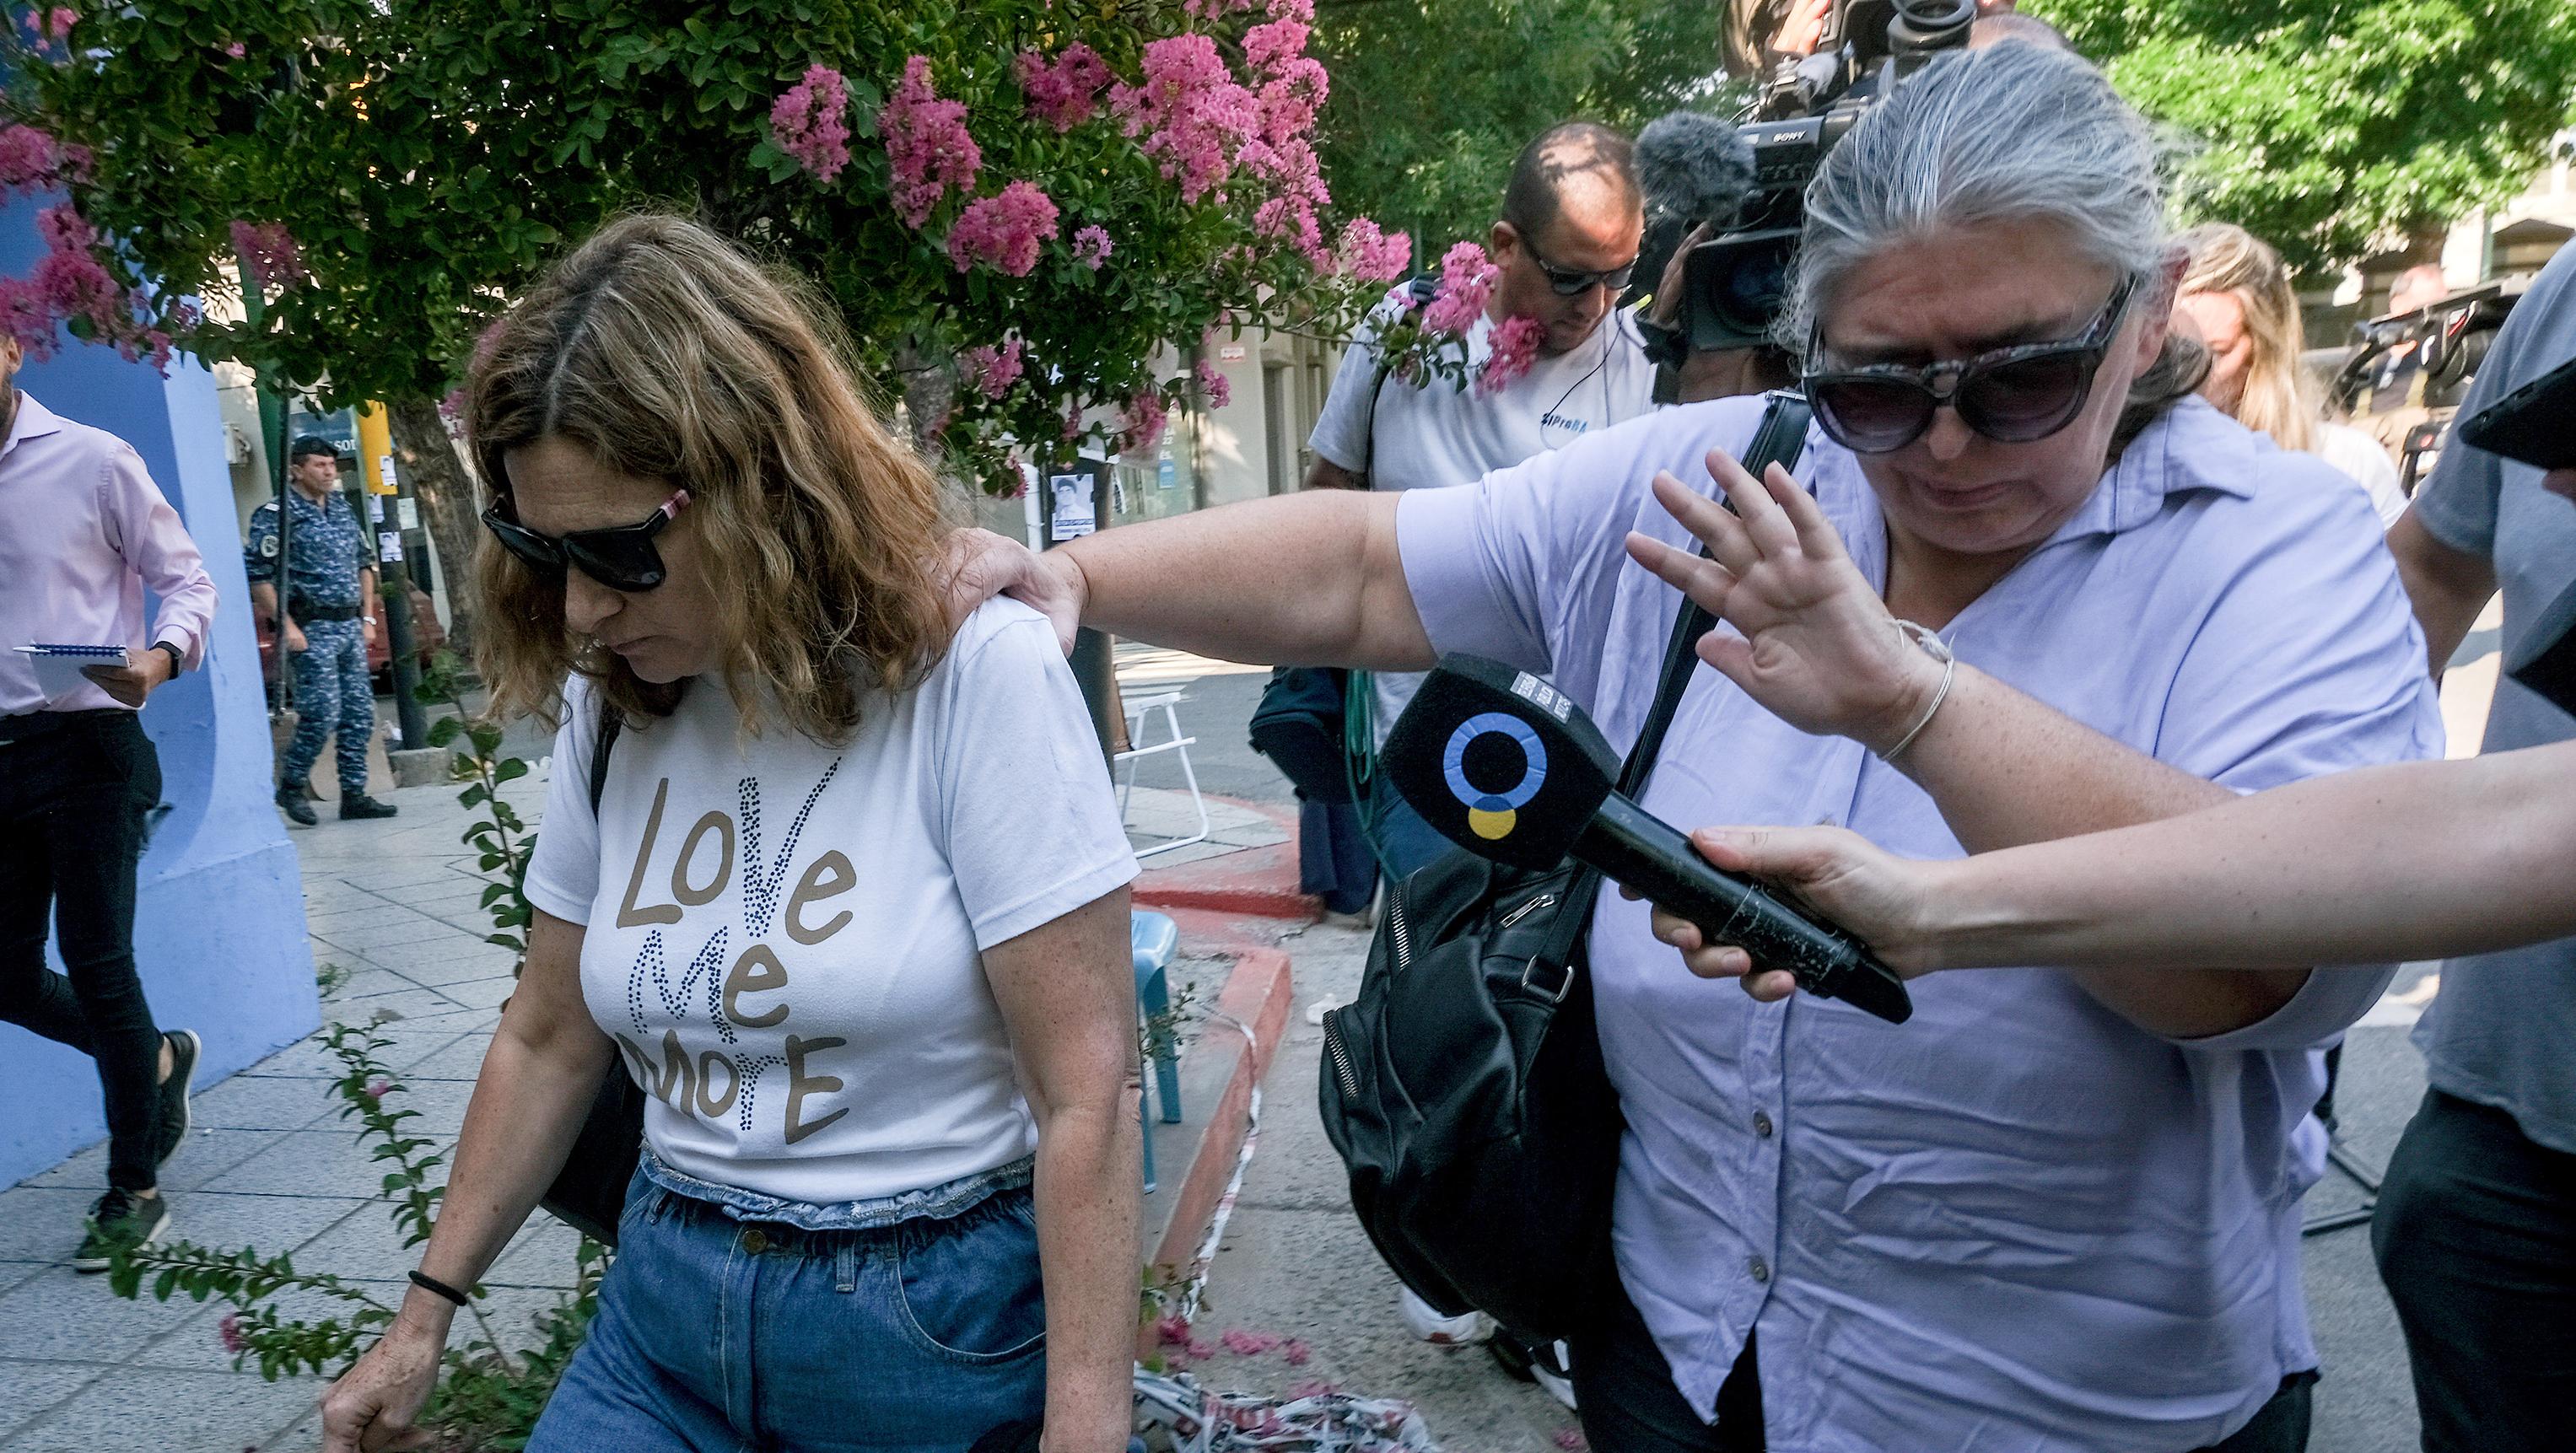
[(734, 988)]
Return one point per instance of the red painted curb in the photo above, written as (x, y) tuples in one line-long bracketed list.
[(1260, 993)]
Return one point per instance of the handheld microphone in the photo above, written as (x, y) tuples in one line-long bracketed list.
[(1505, 766)]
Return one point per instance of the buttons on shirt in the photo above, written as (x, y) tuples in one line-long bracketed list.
[(755, 1240), (1762, 1123), (1761, 1270)]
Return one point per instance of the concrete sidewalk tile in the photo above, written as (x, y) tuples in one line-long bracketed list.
[(488, 993), (60, 1315), (457, 960), (257, 1102), (205, 1154), (363, 1245), (541, 1255), (394, 1007), (388, 928), (303, 1162), (432, 960), (367, 983), (14, 1273), (231, 1221), (210, 1411), (35, 1387), (462, 1060), (42, 1223)]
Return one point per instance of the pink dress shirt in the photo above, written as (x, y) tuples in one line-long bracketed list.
[(83, 529)]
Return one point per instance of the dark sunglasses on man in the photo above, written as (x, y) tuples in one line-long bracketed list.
[(1567, 282), (621, 557), (2011, 395)]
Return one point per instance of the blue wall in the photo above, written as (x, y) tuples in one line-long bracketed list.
[(219, 922)]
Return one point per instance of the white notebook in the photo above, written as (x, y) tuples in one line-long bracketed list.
[(58, 667)]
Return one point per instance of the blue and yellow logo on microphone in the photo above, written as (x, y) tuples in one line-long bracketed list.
[(1493, 815)]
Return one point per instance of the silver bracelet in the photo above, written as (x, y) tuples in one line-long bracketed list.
[(1939, 650)]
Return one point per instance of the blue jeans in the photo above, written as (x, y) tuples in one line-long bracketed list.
[(717, 1335), (1404, 840)]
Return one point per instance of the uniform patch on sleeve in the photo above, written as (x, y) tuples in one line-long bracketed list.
[(268, 547)]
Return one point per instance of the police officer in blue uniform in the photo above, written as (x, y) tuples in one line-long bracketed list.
[(330, 621)]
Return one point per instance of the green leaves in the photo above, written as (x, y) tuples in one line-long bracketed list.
[(2334, 128)]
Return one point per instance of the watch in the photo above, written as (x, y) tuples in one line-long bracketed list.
[(178, 658)]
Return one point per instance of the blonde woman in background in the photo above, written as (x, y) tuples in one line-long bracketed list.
[(2237, 294)]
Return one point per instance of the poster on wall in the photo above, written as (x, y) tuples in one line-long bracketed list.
[(389, 547), (1074, 517)]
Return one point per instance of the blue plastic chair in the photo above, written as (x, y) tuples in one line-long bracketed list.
[(1152, 938)]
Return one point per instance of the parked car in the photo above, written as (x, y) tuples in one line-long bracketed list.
[(427, 633)]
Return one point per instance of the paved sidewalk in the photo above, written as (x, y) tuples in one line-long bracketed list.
[(393, 908)]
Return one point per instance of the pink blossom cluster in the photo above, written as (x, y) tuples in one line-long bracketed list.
[(927, 142), (991, 371), (31, 160), (1274, 43), (1065, 93), (1515, 347), (269, 251), (1193, 114), (71, 282), (1004, 231), (1214, 386), (236, 50), (1091, 247), (54, 24), (1467, 280), (810, 122), (1368, 254), (1140, 427), (228, 1330), (1248, 1344), (1571, 1440)]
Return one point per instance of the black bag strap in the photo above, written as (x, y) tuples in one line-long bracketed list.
[(1781, 439), (610, 721)]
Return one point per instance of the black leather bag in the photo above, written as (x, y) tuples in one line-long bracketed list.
[(589, 1193), (1464, 1087)]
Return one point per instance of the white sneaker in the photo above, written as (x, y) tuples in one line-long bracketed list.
[(1430, 1326), (1554, 1373)]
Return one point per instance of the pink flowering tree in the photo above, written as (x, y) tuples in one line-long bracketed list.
[(1017, 205), (1070, 202)]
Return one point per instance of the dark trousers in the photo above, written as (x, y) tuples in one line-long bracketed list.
[(1629, 1403), (72, 805), (2476, 1239)]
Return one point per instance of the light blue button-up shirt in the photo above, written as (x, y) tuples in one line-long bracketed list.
[(2018, 1222)]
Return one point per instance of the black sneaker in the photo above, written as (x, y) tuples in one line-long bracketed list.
[(359, 804), (297, 803), (121, 1221), (184, 1045)]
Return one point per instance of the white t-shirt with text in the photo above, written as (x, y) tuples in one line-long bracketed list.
[(784, 937)]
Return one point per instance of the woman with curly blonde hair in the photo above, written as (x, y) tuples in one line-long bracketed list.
[(848, 900), (2237, 295)]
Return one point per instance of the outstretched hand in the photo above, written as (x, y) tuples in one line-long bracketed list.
[(981, 565), (1886, 900), (1813, 643)]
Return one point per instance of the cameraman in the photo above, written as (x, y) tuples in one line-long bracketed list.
[(2476, 1225)]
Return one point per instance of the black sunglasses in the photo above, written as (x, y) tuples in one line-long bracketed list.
[(2011, 395), (621, 557), (1568, 282)]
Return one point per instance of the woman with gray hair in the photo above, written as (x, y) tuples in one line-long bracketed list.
[(2024, 585)]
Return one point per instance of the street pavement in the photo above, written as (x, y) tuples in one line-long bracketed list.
[(392, 905)]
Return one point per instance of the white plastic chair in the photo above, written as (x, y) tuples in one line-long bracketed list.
[(1138, 709)]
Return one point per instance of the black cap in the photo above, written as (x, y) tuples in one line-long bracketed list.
[(312, 444)]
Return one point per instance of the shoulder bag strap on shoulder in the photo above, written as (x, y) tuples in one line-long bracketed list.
[(1780, 440), (610, 721)]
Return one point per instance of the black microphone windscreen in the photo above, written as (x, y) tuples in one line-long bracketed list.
[(1693, 167)]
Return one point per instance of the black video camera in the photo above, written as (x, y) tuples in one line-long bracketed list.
[(1734, 283)]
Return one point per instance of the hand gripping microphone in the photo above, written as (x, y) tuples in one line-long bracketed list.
[(1505, 766)]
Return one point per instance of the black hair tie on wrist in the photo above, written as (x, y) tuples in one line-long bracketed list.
[(429, 1283)]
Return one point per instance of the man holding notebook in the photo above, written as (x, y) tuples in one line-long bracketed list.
[(86, 533)]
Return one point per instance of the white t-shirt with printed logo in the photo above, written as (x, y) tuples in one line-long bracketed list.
[(784, 938), (1432, 435)]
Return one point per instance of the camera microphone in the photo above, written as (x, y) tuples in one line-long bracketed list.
[(1691, 169), (1507, 767)]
